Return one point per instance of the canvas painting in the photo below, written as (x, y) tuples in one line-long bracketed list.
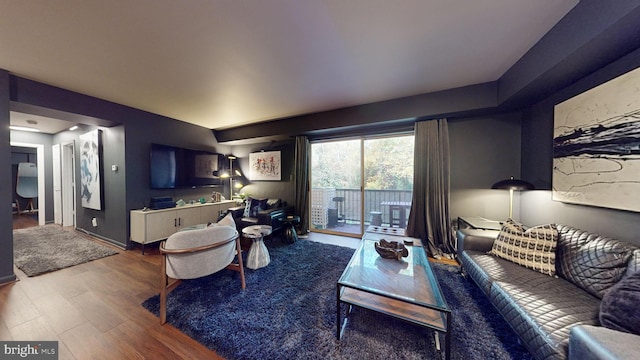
[(596, 146), (205, 166), (90, 170), (265, 166)]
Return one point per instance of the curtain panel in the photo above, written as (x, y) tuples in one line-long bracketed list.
[(429, 217), (301, 182)]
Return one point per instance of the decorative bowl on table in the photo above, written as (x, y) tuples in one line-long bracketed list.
[(391, 249)]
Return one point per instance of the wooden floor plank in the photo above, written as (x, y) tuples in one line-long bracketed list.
[(94, 309)]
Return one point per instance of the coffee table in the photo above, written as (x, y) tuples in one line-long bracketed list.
[(406, 289), (258, 255)]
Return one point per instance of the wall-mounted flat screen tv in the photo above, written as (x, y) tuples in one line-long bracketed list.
[(174, 167)]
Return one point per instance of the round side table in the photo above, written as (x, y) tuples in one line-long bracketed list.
[(290, 235), (258, 255)]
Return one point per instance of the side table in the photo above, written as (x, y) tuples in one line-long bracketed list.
[(258, 255), (477, 222), (290, 235)]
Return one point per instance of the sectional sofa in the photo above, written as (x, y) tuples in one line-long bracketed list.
[(566, 292)]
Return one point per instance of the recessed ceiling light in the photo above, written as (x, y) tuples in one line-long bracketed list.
[(74, 127), (23, 128)]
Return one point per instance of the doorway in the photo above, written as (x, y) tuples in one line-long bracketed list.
[(360, 182), (64, 184), (40, 164)]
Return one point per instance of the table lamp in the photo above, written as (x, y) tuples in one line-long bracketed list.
[(512, 184)]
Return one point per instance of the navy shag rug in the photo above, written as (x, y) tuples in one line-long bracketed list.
[(288, 311)]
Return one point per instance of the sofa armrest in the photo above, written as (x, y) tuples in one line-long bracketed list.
[(587, 342), (475, 239)]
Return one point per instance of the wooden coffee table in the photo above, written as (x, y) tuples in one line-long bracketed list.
[(406, 289)]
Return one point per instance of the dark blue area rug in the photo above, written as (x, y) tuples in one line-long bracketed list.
[(288, 311)]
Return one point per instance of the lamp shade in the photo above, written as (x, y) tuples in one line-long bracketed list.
[(512, 184)]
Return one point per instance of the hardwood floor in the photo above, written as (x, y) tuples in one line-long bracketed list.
[(94, 310)]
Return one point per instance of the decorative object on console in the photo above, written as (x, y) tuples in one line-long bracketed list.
[(266, 165), (512, 184), (391, 249), (216, 197), (595, 143)]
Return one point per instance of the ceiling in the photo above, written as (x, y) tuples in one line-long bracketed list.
[(42, 124), (223, 63)]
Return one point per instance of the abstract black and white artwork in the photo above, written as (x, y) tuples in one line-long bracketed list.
[(596, 146), (90, 170)]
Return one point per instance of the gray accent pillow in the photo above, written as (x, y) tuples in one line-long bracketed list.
[(619, 306)]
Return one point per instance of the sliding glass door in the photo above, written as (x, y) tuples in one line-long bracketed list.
[(336, 183), (360, 182)]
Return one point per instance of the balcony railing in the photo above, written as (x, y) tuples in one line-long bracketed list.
[(348, 209)]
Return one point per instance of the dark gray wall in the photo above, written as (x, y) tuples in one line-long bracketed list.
[(269, 189), (537, 161), (6, 226), (126, 137), (483, 151)]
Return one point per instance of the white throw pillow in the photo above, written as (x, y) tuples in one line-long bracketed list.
[(225, 221)]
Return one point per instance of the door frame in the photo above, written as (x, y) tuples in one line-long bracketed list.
[(40, 163), (65, 193)]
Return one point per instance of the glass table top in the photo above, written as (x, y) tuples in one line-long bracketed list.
[(410, 279)]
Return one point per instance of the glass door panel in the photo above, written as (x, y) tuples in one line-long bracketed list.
[(336, 183), (361, 182), (388, 180)]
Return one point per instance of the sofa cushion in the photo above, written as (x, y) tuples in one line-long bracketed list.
[(273, 203), (534, 248), (619, 306), (633, 266), (542, 310), (592, 262), (486, 269)]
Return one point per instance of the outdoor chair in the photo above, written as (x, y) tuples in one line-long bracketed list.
[(197, 253)]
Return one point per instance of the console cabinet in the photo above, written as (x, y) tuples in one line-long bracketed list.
[(149, 226)]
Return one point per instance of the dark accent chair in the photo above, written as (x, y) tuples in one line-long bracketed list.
[(272, 216)]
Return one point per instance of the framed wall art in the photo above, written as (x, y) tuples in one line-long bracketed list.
[(90, 180), (596, 146), (266, 165)]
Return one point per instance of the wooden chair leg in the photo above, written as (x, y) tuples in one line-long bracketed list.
[(240, 265), (163, 290)]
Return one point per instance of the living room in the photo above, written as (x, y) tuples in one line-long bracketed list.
[(497, 129)]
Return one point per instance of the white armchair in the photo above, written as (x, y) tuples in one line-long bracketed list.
[(197, 253)]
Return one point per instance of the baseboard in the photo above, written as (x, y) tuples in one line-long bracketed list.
[(8, 279), (103, 238)]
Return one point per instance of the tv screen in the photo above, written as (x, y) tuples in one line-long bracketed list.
[(173, 167)]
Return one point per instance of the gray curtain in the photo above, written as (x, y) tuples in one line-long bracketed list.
[(429, 217), (301, 182)]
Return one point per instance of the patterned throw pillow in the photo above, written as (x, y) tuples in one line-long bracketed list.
[(247, 207), (253, 206), (534, 248)]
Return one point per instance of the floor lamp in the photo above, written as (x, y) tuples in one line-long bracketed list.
[(229, 175), (512, 184)]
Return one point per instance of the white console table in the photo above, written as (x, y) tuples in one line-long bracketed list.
[(148, 226)]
